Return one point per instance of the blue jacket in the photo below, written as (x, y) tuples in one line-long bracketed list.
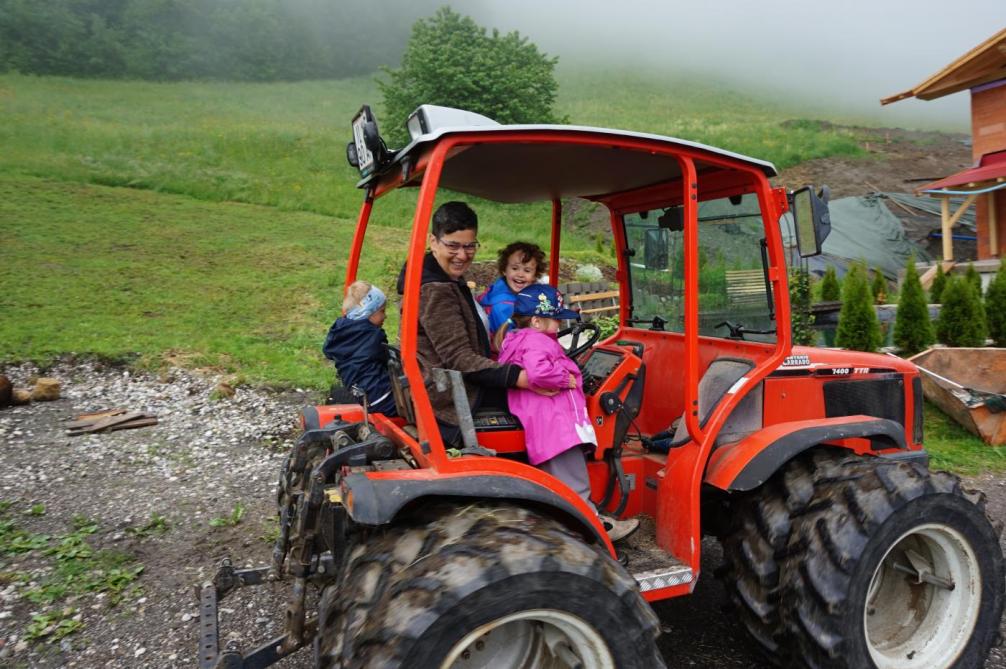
[(498, 303), (358, 350)]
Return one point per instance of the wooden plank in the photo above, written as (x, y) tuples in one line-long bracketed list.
[(596, 310), (106, 422), (606, 295), (85, 419)]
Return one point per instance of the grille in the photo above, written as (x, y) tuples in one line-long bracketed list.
[(881, 398)]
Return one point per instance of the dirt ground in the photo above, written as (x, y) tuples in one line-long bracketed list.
[(207, 458)]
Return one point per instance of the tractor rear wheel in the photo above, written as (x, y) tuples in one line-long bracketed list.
[(761, 523), (483, 586), (894, 567)]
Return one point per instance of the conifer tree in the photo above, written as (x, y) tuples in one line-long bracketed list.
[(831, 289), (974, 278), (913, 332), (962, 316), (879, 286), (801, 319), (858, 327), (939, 283), (995, 307)]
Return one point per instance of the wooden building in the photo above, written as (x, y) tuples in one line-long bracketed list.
[(982, 70)]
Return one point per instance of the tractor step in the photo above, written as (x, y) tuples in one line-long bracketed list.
[(651, 566)]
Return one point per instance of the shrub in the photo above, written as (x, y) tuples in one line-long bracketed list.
[(974, 278), (995, 307), (962, 316), (939, 283), (879, 286), (452, 61), (858, 327), (801, 319), (831, 289), (913, 332)]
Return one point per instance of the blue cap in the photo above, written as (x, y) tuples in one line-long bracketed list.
[(542, 300)]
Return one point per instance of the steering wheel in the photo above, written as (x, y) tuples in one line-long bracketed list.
[(575, 346)]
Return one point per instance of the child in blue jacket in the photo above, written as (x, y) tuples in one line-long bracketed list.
[(357, 345), (520, 264)]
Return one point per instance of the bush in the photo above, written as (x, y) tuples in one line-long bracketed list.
[(831, 289), (452, 61), (939, 283), (974, 278), (913, 332), (995, 307), (801, 319), (879, 286), (962, 316), (858, 327)]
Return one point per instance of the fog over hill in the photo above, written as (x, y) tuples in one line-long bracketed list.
[(839, 58)]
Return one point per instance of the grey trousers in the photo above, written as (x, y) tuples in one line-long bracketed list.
[(570, 467)]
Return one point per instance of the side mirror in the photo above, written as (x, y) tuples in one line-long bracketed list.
[(655, 249), (367, 151), (812, 219)]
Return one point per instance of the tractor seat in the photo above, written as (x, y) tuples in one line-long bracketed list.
[(719, 377)]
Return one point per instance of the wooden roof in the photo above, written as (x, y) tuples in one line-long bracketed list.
[(983, 64)]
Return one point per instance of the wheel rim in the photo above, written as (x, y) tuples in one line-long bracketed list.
[(911, 624), (543, 638)]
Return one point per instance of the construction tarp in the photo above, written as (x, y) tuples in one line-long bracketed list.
[(862, 229)]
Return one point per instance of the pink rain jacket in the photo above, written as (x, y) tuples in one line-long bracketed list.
[(551, 424)]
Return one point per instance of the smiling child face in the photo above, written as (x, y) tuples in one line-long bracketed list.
[(518, 273)]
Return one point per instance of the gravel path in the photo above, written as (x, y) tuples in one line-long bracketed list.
[(207, 471)]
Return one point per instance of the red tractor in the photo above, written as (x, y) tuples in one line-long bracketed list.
[(842, 548)]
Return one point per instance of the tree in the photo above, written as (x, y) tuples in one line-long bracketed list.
[(962, 316), (995, 307), (913, 332), (452, 61), (974, 278), (831, 289), (939, 283), (801, 319), (879, 286), (858, 327)]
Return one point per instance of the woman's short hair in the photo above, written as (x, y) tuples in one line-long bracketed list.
[(528, 252), (453, 216)]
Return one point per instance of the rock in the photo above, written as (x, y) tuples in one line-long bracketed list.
[(6, 391), (20, 397), (46, 390)]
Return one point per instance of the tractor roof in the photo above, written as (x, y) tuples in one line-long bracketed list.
[(533, 169)]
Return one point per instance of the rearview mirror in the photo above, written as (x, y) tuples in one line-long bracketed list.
[(811, 218)]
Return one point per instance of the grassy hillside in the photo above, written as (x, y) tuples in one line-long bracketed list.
[(171, 266)]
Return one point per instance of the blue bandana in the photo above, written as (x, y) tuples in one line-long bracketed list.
[(371, 302)]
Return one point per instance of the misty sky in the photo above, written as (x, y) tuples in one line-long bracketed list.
[(843, 55)]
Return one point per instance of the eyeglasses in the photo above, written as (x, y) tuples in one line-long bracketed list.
[(456, 247)]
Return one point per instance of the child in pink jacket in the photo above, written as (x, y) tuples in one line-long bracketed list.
[(556, 424)]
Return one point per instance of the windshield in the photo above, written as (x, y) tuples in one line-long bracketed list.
[(731, 278)]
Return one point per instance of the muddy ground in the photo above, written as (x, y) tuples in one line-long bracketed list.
[(208, 471)]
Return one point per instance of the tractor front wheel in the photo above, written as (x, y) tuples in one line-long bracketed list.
[(893, 567), (483, 586)]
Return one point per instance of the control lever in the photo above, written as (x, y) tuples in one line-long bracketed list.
[(360, 394)]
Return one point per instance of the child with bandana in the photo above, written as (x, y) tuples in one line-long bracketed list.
[(357, 345)]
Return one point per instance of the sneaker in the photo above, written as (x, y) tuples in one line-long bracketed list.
[(619, 529)]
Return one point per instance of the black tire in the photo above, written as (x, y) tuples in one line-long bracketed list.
[(408, 596), (849, 551), (761, 524)]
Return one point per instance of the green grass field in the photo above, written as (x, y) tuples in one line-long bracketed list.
[(121, 232)]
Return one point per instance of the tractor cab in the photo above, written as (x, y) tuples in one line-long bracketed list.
[(701, 287)]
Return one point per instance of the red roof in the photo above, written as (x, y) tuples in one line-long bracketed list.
[(990, 167)]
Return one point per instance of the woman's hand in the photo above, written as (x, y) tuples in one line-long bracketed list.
[(524, 384)]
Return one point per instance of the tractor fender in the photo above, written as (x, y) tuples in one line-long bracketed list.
[(748, 463), (376, 501)]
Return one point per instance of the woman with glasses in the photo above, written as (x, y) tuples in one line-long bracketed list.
[(453, 329)]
